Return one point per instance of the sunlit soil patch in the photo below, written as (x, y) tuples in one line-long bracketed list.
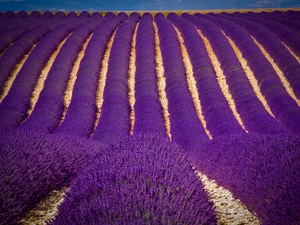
[(221, 79), (295, 56), (161, 83), (229, 210), (192, 84), (46, 210)]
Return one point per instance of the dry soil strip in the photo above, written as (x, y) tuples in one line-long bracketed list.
[(253, 81), (43, 76), (293, 54), (14, 74), (221, 79), (102, 78), (73, 77), (131, 78), (161, 83), (278, 71), (229, 210), (192, 83), (46, 210)]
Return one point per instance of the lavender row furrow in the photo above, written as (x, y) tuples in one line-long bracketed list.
[(114, 121), (147, 109), (21, 14), (254, 116), (133, 184), (281, 56), (81, 113), (286, 35), (8, 37), (186, 128), (7, 14), (48, 109), (8, 23), (36, 164), (262, 171), (293, 14), (284, 108), (16, 52), (215, 109), (278, 18), (14, 107), (20, 27), (26, 24)]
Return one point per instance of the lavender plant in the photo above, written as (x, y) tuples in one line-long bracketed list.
[(260, 170), (114, 121), (284, 108), (144, 179), (147, 108), (34, 164), (215, 109), (186, 128)]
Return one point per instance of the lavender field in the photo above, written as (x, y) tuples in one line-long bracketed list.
[(129, 117)]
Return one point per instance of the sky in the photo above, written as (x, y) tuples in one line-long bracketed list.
[(141, 5)]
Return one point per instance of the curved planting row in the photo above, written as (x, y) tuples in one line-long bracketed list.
[(35, 164), (286, 35), (217, 114), (186, 128), (15, 53), (281, 56), (260, 170), (253, 114), (48, 110), (81, 113), (145, 178), (147, 108), (16, 104), (292, 24), (133, 184), (114, 121), (284, 108), (9, 36)]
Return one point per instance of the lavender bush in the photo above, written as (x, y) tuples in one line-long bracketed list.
[(252, 112), (34, 164), (144, 179), (186, 128), (282, 57), (80, 116), (215, 108), (15, 53), (13, 109), (147, 108), (263, 171), (114, 121), (284, 108)]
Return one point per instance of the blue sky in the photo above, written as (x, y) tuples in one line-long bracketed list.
[(136, 5)]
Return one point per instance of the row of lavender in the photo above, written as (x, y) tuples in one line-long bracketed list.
[(186, 129), (254, 121), (284, 108)]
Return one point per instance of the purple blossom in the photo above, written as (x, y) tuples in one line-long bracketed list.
[(34, 164), (260, 170), (115, 112), (144, 179)]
